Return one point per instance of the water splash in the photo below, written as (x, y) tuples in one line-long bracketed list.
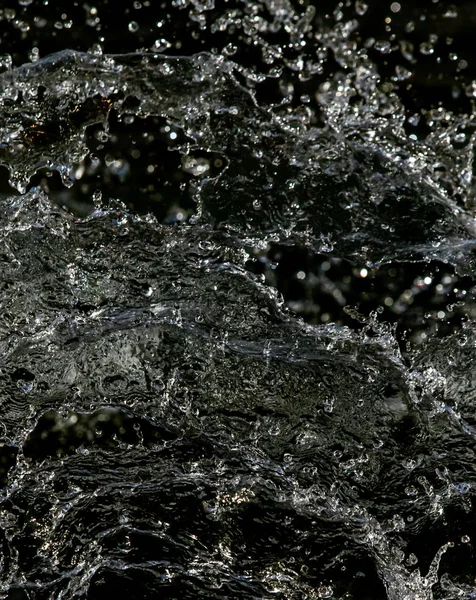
[(168, 425)]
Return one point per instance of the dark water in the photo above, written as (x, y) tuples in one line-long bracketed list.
[(238, 252)]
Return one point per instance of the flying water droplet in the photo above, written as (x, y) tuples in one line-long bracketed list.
[(361, 7)]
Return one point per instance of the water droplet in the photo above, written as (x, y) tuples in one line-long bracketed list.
[(402, 73), (5, 62), (361, 7), (160, 45), (96, 50), (426, 48), (34, 54), (97, 197), (451, 12), (328, 404), (325, 591), (383, 46), (101, 135), (133, 26), (338, 13)]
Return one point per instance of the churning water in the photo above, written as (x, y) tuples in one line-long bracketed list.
[(172, 427)]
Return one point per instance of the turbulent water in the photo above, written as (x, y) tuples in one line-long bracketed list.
[(171, 426)]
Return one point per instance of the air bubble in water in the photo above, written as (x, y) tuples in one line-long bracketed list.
[(133, 26)]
